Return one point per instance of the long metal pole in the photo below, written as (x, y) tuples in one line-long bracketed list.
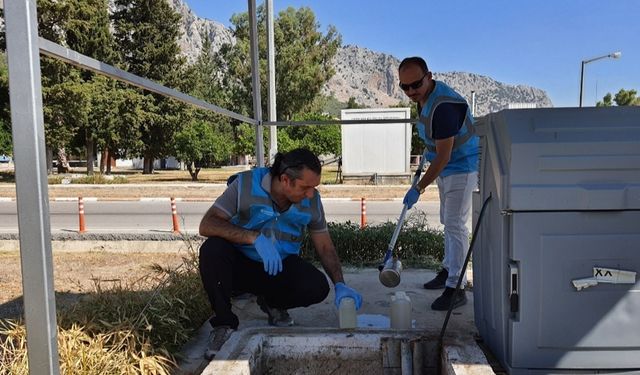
[(473, 103), (273, 130), (581, 82), (27, 127), (70, 56), (255, 72), (614, 55)]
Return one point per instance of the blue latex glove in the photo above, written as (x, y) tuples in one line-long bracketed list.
[(411, 197), (269, 254), (342, 291)]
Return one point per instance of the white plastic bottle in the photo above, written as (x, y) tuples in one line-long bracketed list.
[(400, 311), (347, 313)]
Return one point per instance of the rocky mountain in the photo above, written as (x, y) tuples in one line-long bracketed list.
[(371, 77), (193, 28)]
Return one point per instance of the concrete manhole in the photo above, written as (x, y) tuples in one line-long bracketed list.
[(326, 351)]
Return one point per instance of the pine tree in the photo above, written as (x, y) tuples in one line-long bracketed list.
[(147, 32), (63, 101), (5, 120), (87, 32)]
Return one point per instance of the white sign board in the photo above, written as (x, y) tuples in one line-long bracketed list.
[(376, 148)]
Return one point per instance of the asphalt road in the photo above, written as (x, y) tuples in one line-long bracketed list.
[(155, 215)]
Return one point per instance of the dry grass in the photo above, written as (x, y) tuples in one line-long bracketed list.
[(81, 353), (129, 321)]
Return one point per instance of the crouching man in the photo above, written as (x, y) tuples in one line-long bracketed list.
[(254, 232)]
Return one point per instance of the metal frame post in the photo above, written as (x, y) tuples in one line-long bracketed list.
[(273, 130), (582, 64), (255, 73), (32, 194), (473, 103)]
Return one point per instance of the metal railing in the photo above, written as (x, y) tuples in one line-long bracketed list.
[(23, 50)]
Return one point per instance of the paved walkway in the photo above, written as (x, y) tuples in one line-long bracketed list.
[(375, 311)]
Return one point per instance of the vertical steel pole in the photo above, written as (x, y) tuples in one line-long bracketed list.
[(581, 82), (273, 130), (255, 72), (25, 93), (473, 103)]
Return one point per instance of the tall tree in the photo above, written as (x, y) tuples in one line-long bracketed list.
[(6, 146), (117, 112), (320, 139), (607, 101), (87, 31), (147, 32), (206, 139), (627, 97), (622, 98), (203, 79), (303, 57), (198, 145), (5, 120), (61, 87)]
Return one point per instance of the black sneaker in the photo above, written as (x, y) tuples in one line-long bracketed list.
[(277, 317), (217, 338), (439, 281), (443, 302)]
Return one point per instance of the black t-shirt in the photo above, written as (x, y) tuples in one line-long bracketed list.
[(448, 119)]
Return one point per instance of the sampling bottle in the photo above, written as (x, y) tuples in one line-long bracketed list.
[(347, 313), (400, 311)]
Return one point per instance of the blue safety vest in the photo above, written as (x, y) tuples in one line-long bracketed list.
[(464, 156), (256, 211)]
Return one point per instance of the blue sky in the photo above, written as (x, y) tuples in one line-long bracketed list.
[(537, 43)]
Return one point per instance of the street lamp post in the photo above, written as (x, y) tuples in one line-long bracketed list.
[(614, 55)]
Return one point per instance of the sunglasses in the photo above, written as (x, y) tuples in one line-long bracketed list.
[(413, 85)]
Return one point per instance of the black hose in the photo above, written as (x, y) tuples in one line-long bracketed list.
[(463, 271)]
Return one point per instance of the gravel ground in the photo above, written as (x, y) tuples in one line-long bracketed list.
[(78, 273)]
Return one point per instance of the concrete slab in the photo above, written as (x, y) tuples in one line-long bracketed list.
[(325, 351), (375, 308)]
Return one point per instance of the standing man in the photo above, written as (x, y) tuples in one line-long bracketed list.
[(254, 232), (446, 128)]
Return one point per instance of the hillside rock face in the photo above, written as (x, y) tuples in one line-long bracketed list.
[(372, 78), (193, 29), (368, 76)]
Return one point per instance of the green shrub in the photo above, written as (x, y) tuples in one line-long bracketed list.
[(55, 180), (98, 179), (417, 244)]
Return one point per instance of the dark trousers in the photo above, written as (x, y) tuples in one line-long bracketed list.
[(224, 269)]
